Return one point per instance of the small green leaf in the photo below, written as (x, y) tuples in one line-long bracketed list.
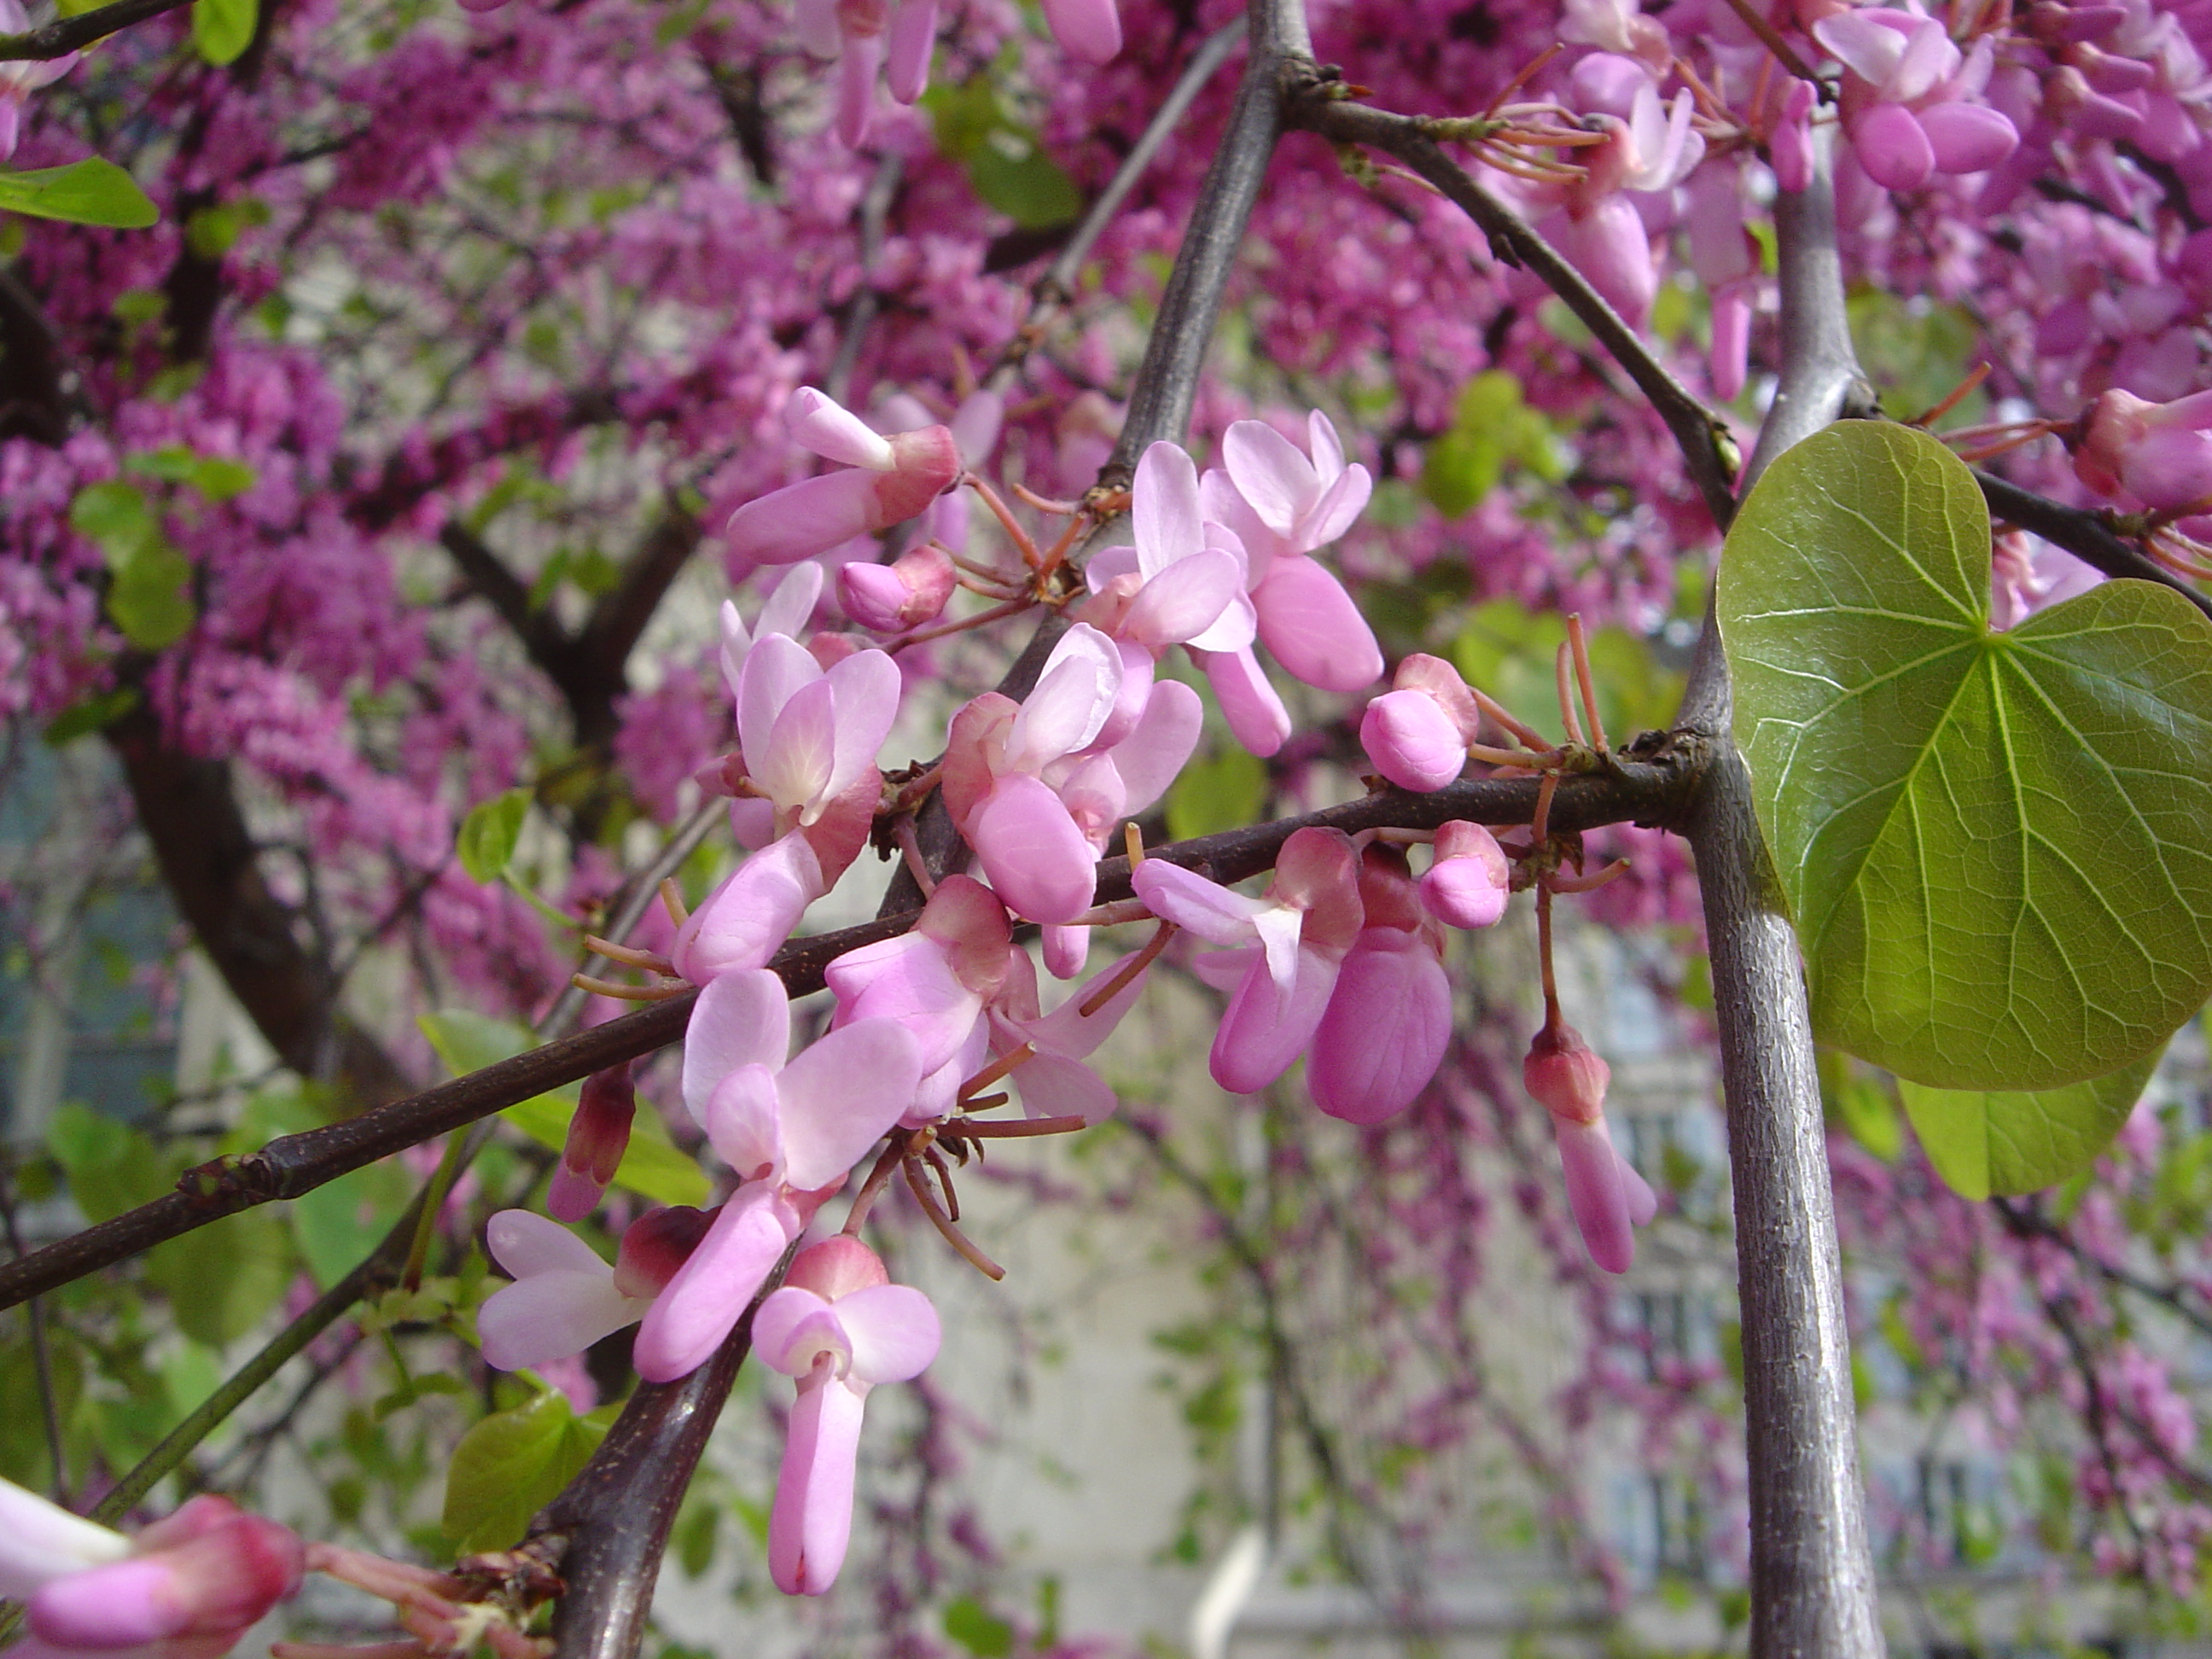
[(1013, 175), (977, 1629), (94, 713), (221, 29), (147, 598), (1225, 791), (214, 477), (88, 193), (652, 1166), (1997, 846), (110, 1166), (340, 1222), (224, 1277), (115, 515), (2013, 1141), (510, 1466), (489, 832)]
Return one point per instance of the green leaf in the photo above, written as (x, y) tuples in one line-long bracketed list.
[(221, 29), (111, 1166), (2015, 1141), (510, 1466), (147, 598), (339, 1223), (94, 713), (214, 477), (977, 1629), (115, 515), (88, 193), (1997, 846), (489, 832), (1224, 790), (224, 1277), (652, 1166), (1012, 174)]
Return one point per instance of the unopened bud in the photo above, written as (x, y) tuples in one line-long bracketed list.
[(655, 1245), (1467, 884), (598, 1135), (1411, 741), (208, 1571), (889, 598), (1565, 1074)]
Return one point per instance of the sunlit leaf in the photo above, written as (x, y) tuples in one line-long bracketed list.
[(1997, 846), (2013, 1141), (510, 1466), (88, 193)]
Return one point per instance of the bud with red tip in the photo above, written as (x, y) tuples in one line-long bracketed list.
[(889, 598), (888, 481), (1608, 1198), (598, 1135)]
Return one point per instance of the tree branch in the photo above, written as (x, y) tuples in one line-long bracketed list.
[(68, 34), (2087, 536), (1812, 1575), (1708, 449)]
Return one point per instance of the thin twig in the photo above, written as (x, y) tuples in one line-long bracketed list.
[(68, 34)]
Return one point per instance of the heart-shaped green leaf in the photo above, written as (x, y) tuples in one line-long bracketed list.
[(1997, 846), (2013, 1141)]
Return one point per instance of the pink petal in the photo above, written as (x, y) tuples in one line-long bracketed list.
[(1065, 950), (1893, 149), (1967, 137), (1642, 1202), (1610, 245), (746, 919), (1731, 348), (741, 1018), (1253, 707), (1470, 881), (1790, 146), (1073, 697), (791, 607), (865, 688), (1341, 503), (776, 670), (812, 1521), (1930, 60), (1389, 1023), (1150, 758), (1183, 599), (856, 87), (908, 979), (840, 1097), (526, 1244), (1270, 474), (792, 769), (1596, 1193), (1190, 901), (819, 423), (1052, 1086), (794, 1327), (1039, 862), (551, 1316), (815, 23), (1163, 510), (1266, 1028), (1315, 630), (1068, 1030), (914, 37), (744, 1119), (1088, 29), (40, 1541), (709, 1291), (1328, 449), (893, 1330), (804, 519), (213, 1585), (1870, 50), (981, 413), (1411, 741)]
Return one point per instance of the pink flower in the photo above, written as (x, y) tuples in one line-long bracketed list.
[(1908, 100), (889, 598), (890, 480), (1416, 734), (839, 1326), (1469, 881), (1088, 29), (186, 1588), (1053, 1079), (1291, 943), (1608, 1196), (564, 1297), (792, 1133), (2157, 454), (21, 78), (852, 31), (1390, 1015)]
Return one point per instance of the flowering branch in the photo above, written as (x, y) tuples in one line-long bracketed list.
[(68, 34)]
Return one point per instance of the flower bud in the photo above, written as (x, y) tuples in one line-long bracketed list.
[(655, 1245), (1411, 741), (1467, 884), (1565, 1074), (889, 598), (208, 1571), (598, 1135)]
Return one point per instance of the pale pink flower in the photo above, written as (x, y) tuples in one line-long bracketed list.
[(1469, 881), (865, 36), (1054, 1080), (910, 590), (564, 1296), (1290, 945), (1910, 100), (839, 1326), (1416, 734), (185, 1588), (887, 480), (2155, 455), (1088, 29), (1606, 1195)]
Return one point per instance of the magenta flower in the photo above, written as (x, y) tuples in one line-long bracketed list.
[(1390, 1015), (1909, 99), (839, 1326), (887, 481), (185, 1588), (1287, 948), (564, 1297), (2159, 455), (889, 598)]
